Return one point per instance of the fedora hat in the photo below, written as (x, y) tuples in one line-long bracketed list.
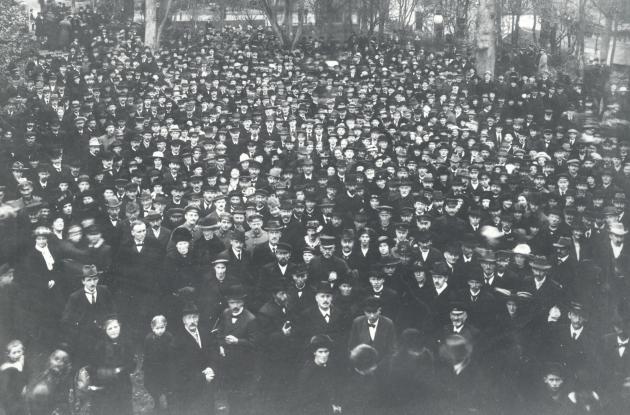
[(89, 271)]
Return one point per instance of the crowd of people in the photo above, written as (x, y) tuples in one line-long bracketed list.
[(369, 229)]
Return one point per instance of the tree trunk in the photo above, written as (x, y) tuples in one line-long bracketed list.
[(150, 24), (581, 29), (534, 29), (165, 15), (517, 28), (486, 36), (610, 59), (606, 38)]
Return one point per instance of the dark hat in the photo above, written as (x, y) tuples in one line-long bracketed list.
[(563, 242), (323, 287), (273, 225), (283, 246), (221, 258), (89, 271), (540, 262), (235, 292), (237, 236), (327, 240), (440, 268), (554, 368), (181, 235), (190, 308), (320, 341), (208, 223), (371, 303)]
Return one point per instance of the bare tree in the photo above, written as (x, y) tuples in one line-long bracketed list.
[(486, 36), (288, 36)]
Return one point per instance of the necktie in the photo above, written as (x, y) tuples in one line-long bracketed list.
[(327, 318), (575, 336), (373, 326), (93, 298)]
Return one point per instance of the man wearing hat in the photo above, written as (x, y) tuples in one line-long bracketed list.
[(323, 318), (208, 246), (458, 315), (238, 336), (193, 365), (545, 291), (613, 255), (139, 261), (266, 253), (328, 266), (374, 329), (278, 344), (571, 341), (155, 230), (280, 270), (300, 291), (255, 235), (240, 260), (85, 309), (565, 267)]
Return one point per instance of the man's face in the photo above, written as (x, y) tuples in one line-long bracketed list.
[(488, 267), (458, 318), (577, 320), (283, 256), (323, 300), (139, 232), (235, 306), (237, 245), (439, 281), (90, 283), (327, 251), (191, 321), (553, 382), (372, 315), (377, 282)]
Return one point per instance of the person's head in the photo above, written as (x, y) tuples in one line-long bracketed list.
[(14, 351), (372, 309), (41, 236), (439, 278), (327, 248), (576, 316), (300, 276), (458, 316), (59, 361), (190, 318), (158, 325), (283, 253), (320, 346), (112, 328), (236, 299), (138, 230), (323, 298), (553, 378), (90, 278)]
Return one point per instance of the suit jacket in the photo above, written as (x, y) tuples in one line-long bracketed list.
[(138, 271), (384, 339), (162, 239), (269, 275), (262, 255), (614, 368), (276, 346), (311, 322), (240, 358), (188, 360)]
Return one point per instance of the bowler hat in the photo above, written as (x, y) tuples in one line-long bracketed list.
[(235, 292)]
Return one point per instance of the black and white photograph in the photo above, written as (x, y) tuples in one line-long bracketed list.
[(314, 207)]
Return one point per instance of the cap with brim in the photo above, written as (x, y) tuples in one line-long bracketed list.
[(327, 240)]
